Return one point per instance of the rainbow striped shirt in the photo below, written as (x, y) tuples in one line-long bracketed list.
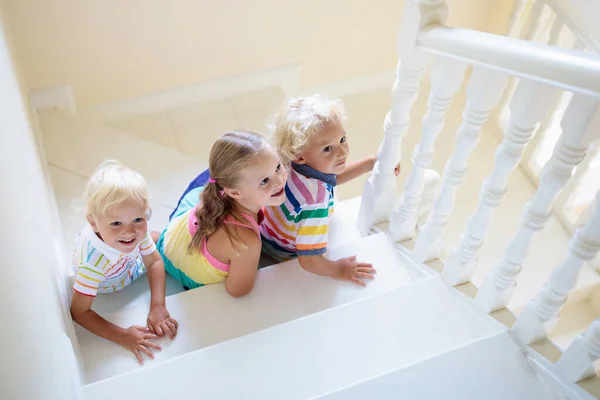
[(298, 227), (100, 268)]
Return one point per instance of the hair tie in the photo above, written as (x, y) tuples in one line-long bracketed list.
[(222, 191)]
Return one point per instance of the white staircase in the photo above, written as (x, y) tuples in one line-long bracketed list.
[(296, 335), (409, 333)]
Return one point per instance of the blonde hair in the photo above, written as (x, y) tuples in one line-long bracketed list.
[(299, 120), (230, 155), (112, 184)]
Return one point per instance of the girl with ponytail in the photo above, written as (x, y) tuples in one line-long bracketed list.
[(213, 235)]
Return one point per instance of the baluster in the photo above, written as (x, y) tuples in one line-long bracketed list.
[(561, 203), (577, 362), (557, 109), (380, 190), (528, 107), (580, 124), (483, 92), (446, 79), (584, 246), (514, 22), (531, 31)]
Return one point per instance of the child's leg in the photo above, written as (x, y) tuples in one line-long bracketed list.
[(198, 182)]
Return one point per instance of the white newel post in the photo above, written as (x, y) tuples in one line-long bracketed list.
[(446, 78), (577, 362), (584, 246), (580, 125), (528, 107), (483, 92), (380, 190)]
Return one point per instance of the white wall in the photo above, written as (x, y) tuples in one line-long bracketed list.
[(37, 358), (112, 50)]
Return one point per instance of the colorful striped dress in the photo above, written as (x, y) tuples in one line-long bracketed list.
[(100, 268), (299, 226)]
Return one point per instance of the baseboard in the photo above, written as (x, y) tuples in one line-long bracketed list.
[(286, 77), (53, 98)]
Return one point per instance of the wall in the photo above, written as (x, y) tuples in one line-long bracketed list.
[(113, 50), (37, 357)]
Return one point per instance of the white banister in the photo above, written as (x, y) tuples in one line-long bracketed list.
[(561, 68), (380, 190), (483, 92), (580, 125), (577, 362), (446, 79), (584, 246), (528, 106)]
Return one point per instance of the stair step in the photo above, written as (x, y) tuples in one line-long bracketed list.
[(315, 355), (77, 145), (478, 370), (283, 292)]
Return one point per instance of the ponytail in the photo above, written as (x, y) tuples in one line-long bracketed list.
[(230, 154)]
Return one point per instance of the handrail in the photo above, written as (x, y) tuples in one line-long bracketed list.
[(562, 68)]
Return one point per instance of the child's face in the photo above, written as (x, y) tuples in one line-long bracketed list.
[(262, 183), (327, 151), (122, 227)]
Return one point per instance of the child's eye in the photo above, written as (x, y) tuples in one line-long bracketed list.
[(327, 149), (278, 168), (140, 219), (116, 223), (264, 181), (343, 139)]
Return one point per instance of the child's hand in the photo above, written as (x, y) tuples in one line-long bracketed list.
[(137, 339), (397, 170), (351, 270), (160, 322)]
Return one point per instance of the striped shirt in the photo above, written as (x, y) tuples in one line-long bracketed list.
[(100, 268), (299, 226)]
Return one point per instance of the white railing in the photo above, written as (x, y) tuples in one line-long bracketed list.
[(562, 23), (543, 72)]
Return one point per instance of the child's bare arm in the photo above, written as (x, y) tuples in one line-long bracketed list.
[(159, 320), (355, 169), (135, 338), (243, 265), (347, 269)]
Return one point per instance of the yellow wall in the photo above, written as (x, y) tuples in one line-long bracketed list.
[(112, 49)]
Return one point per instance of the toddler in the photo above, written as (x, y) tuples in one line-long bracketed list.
[(112, 251), (311, 138)]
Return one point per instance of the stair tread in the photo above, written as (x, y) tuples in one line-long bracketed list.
[(484, 366), (283, 292), (77, 145), (329, 350)]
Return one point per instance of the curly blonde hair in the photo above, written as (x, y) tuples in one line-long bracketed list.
[(112, 184), (299, 120)]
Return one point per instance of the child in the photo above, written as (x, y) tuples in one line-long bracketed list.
[(310, 136), (218, 239), (113, 250)]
